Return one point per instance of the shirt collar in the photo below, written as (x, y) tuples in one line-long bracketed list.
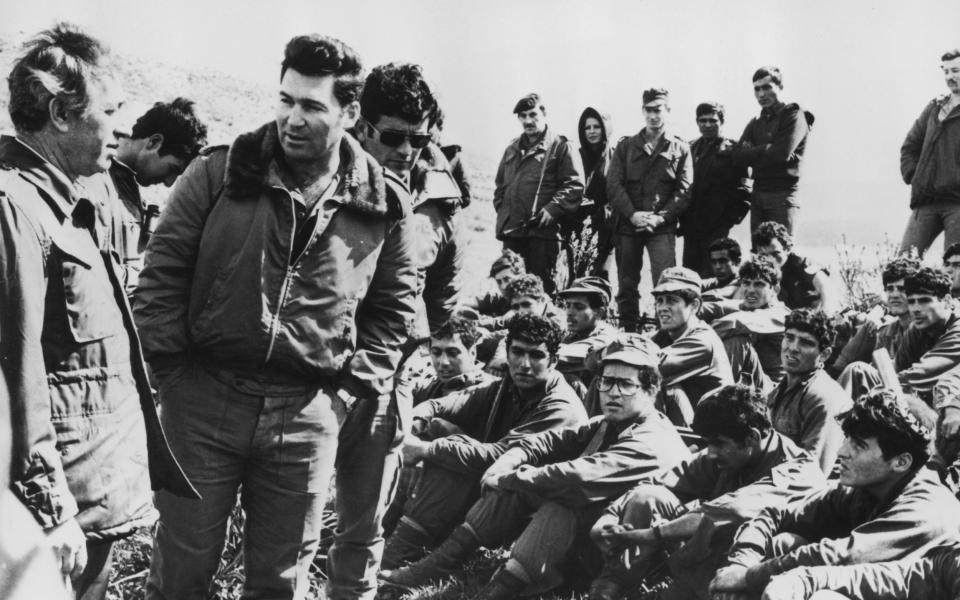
[(40, 172)]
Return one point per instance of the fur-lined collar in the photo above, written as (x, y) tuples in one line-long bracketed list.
[(251, 154)]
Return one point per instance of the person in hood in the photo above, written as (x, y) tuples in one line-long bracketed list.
[(772, 145), (596, 147)]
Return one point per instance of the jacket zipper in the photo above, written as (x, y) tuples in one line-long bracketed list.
[(284, 290)]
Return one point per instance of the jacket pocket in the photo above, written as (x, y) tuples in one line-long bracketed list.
[(92, 314)]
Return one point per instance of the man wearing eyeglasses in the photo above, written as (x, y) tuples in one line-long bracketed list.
[(539, 179), (746, 466), (531, 398), (276, 296), (397, 110), (547, 490)]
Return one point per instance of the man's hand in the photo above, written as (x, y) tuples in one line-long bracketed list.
[(69, 548), (623, 536), (729, 579), (603, 535), (414, 449), (654, 221), (546, 219), (639, 219), (783, 587)]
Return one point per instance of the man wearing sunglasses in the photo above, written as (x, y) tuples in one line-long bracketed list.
[(538, 180), (276, 295), (397, 110), (547, 490), (531, 398)]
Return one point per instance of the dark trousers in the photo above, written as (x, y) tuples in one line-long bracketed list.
[(441, 500), (696, 250), (539, 255), (780, 207), (629, 253)]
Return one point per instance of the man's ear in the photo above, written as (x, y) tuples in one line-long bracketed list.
[(351, 113), (59, 115), (154, 142), (754, 436), (825, 354), (902, 462)]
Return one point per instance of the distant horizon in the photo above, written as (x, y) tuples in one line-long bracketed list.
[(865, 68)]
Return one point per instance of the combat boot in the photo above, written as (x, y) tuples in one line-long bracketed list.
[(503, 586), (406, 544), (443, 561)]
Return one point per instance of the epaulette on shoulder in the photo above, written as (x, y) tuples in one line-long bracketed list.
[(208, 150)]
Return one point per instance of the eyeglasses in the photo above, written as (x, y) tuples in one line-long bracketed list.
[(627, 387), (396, 138)]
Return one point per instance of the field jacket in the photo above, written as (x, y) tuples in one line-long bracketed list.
[(778, 139), (658, 182), (930, 156), (85, 424), (516, 198), (720, 194), (845, 525), (220, 282)]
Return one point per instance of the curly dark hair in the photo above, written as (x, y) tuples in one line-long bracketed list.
[(732, 411), (760, 270), (768, 71), (901, 268), (950, 55), (398, 90), (536, 330), (883, 415), (952, 250), (317, 55), (768, 231), (508, 260), (58, 63), (526, 285), (928, 280), (465, 328), (814, 322), (732, 247), (183, 133)]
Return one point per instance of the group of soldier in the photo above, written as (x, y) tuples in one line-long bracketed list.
[(299, 301)]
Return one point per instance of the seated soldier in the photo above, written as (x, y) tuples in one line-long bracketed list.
[(725, 255), (931, 346), (802, 283), (493, 305), (693, 361), (526, 297), (875, 334), (549, 488), (746, 467), (886, 506), (752, 328), (586, 302), (805, 404), (453, 355), (531, 398)]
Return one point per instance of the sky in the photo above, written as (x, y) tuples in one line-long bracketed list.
[(864, 68)]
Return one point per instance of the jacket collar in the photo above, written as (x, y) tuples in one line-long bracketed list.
[(36, 169), (251, 155), (545, 141)]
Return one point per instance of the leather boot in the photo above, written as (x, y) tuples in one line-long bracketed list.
[(503, 586), (443, 561), (407, 544)]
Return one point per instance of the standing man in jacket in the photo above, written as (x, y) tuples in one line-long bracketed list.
[(930, 165), (772, 145), (272, 345), (398, 109), (648, 187), (538, 180), (720, 194), (161, 144), (84, 421)]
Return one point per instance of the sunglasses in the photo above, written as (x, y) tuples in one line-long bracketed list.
[(396, 138)]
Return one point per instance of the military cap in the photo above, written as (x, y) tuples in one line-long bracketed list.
[(528, 102), (676, 279), (596, 286), (655, 95), (705, 108)]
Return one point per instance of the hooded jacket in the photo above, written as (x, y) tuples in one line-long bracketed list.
[(930, 156), (221, 283), (596, 164), (85, 424)]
